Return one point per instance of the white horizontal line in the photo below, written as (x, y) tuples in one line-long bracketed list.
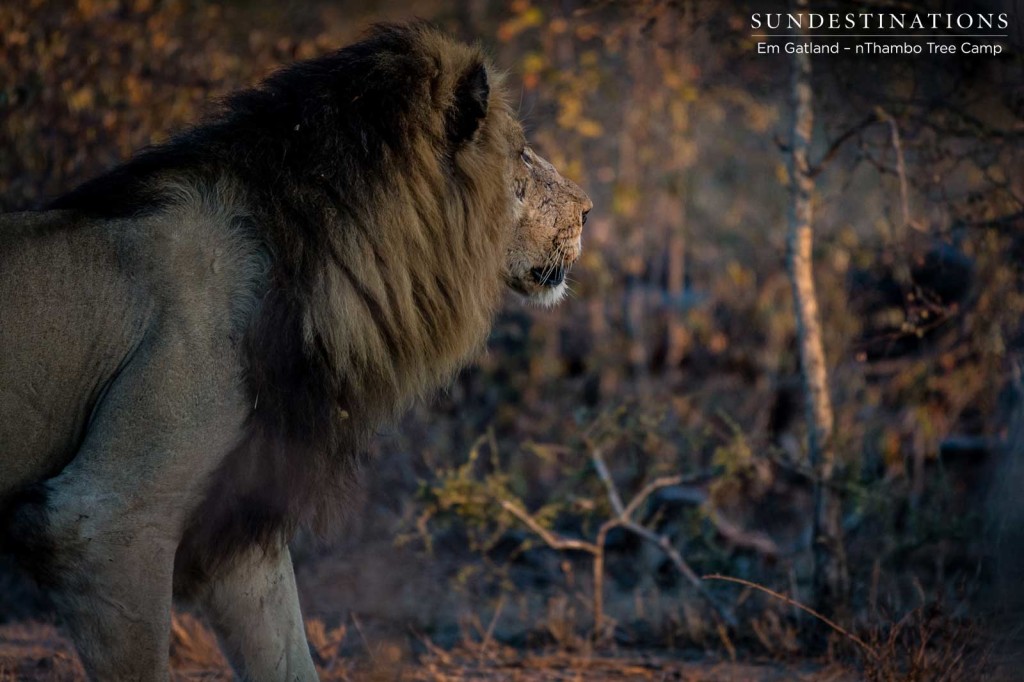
[(878, 35)]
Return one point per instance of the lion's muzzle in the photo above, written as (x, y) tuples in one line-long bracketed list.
[(550, 276)]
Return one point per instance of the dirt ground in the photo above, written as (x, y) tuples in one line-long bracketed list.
[(38, 651)]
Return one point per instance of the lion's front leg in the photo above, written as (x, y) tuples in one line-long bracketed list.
[(254, 608), (107, 559), (116, 603), (105, 531)]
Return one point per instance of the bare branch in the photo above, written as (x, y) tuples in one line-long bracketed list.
[(975, 127), (606, 478), (753, 540), (553, 540), (838, 143), (793, 602), (648, 490), (901, 169), (624, 520), (490, 630), (665, 545), (1003, 222), (758, 542)]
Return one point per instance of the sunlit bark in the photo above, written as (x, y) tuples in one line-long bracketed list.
[(830, 579)]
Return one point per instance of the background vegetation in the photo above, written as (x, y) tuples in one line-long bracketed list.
[(671, 379)]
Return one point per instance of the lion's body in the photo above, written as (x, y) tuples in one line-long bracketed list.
[(41, 419), (83, 299), (195, 348)]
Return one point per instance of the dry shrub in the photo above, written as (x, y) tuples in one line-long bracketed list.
[(926, 645), (777, 634), (193, 646), (326, 644)]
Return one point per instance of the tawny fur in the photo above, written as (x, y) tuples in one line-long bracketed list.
[(198, 345)]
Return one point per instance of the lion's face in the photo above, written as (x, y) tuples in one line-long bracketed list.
[(547, 238)]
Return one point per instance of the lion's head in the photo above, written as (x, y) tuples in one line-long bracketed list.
[(550, 213), (542, 213)]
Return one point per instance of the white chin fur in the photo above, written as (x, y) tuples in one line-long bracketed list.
[(549, 297)]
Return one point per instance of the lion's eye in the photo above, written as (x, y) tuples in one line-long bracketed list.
[(525, 156)]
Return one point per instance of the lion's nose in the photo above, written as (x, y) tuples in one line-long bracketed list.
[(585, 213)]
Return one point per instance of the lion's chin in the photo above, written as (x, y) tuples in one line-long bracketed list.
[(544, 296), (545, 290)]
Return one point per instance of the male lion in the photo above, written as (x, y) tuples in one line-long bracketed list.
[(196, 346)]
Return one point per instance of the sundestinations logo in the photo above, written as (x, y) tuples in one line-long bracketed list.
[(903, 33)]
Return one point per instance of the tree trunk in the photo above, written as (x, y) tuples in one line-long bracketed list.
[(830, 579)]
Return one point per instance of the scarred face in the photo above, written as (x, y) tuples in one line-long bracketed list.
[(547, 238)]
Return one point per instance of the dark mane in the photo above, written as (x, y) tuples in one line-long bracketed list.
[(382, 159), (328, 120)]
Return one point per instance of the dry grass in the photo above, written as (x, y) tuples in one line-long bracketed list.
[(924, 646), (927, 645), (39, 652), (194, 647)]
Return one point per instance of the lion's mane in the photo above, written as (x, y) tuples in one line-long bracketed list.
[(375, 180)]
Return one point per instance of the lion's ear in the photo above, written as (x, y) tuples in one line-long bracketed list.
[(470, 106)]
